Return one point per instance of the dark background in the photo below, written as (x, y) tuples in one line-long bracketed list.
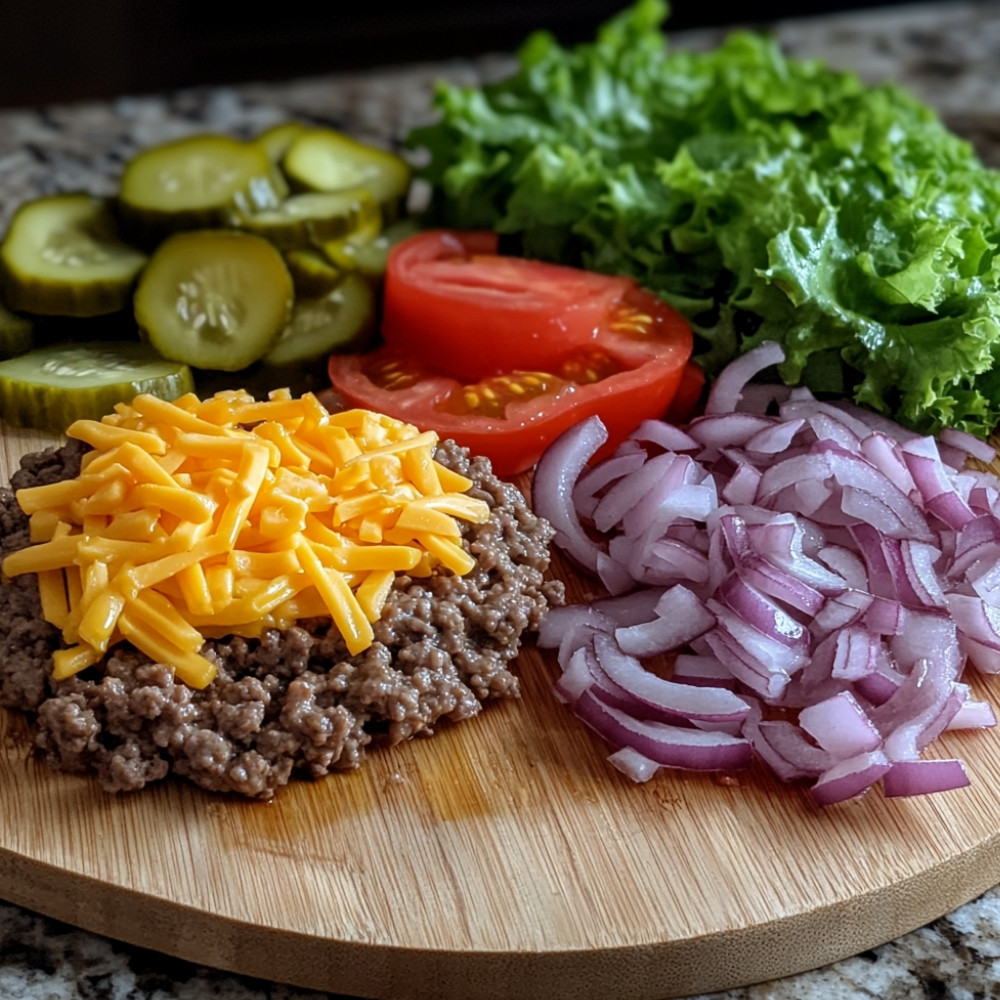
[(65, 50)]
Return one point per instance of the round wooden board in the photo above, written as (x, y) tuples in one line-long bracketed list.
[(504, 857)]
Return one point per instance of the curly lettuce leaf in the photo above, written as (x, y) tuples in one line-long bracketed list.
[(765, 197)]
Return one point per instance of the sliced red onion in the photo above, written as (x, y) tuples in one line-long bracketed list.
[(555, 477), (764, 679), (615, 575), (702, 671), (933, 481), (593, 480), (859, 478), (894, 568), (842, 610), (837, 423), (770, 651), (977, 541), (982, 530), (727, 390), (857, 505), (585, 673), (885, 616), (775, 582), (632, 763), (789, 755), (672, 746), (972, 446), (663, 473), (578, 675), (762, 397), (973, 715), (743, 485), (658, 512), (785, 746), (811, 468), (855, 655), (629, 609), (850, 778), (976, 619), (921, 777), (985, 581), (828, 423), (875, 422), (667, 698), (952, 509), (733, 534), (985, 659), (983, 498), (919, 710), (926, 635), (667, 436), (973, 560), (840, 725), (668, 561), (729, 430), (883, 453), (846, 564), (679, 617), (569, 627), (780, 541), (761, 613), (825, 566), (878, 687)]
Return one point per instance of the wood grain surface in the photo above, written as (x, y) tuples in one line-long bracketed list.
[(501, 858)]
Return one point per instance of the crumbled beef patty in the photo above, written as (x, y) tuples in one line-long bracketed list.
[(290, 702)]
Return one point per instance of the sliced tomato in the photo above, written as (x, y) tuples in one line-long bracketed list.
[(451, 298), (606, 347)]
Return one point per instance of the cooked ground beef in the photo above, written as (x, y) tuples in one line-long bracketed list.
[(293, 702)]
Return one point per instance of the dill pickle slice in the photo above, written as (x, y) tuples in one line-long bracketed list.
[(338, 321), (322, 159), (315, 218), (50, 387), (276, 139), (196, 183), (313, 274), (214, 298), (369, 256), (17, 333), (62, 256)]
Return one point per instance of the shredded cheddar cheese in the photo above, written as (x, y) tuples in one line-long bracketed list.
[(206, 518)]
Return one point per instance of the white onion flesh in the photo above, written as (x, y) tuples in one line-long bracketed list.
[(819, 577)]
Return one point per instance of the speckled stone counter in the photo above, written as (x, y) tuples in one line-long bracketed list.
[(947, 53)]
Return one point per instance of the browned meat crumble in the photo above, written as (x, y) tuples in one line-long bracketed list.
[(292, 703)]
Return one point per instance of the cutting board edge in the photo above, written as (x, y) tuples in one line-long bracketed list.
[(786, 946)]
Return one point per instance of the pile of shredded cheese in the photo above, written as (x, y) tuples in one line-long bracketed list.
[(192, 519)]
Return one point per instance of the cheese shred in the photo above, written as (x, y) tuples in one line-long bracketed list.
[(229, 516)]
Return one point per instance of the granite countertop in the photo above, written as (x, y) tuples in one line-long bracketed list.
[(947, 53)]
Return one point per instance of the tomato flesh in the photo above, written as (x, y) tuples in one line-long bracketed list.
[(439, 368), (528, 314)]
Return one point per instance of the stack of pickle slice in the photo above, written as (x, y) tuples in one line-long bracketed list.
[(217, 255)]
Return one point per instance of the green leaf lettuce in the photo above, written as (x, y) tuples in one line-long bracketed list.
[(765, 197)]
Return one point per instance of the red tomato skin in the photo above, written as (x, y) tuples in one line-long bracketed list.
[(688, 400), (476, 313)]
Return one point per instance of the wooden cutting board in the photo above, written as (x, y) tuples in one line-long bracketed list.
[(501, 858)]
